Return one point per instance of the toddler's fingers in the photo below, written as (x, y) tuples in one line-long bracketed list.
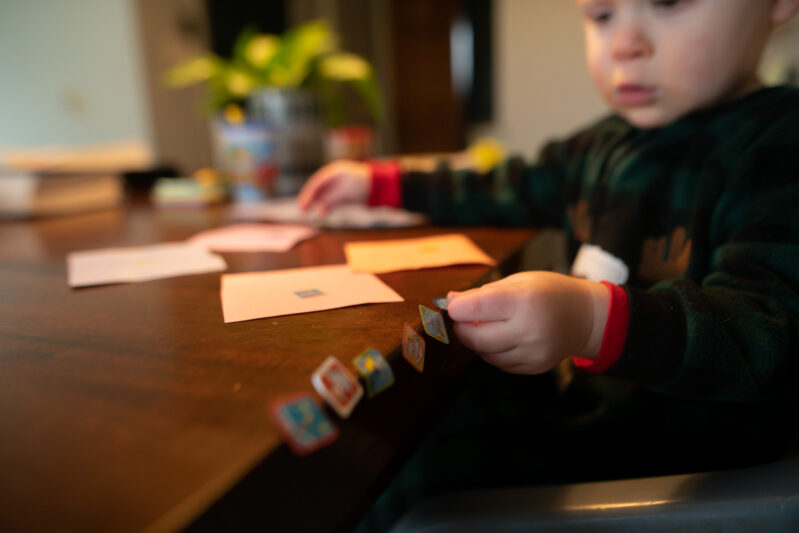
[(309, 193), (507, 280), (333, 196), (504, 359), (481, 305), (314, 190), (488, 337)]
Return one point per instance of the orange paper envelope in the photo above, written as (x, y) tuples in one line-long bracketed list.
[(299, 290), (412, 254)]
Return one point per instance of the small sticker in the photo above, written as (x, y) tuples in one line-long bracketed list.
[(375, 370), (413, 347), (308, 293), (336, 384), (303, 424), (434, 324), (442, 303)]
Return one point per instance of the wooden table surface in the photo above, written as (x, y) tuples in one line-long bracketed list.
[(133, 407)]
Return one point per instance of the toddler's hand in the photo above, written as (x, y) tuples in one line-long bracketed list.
[(528, 322), (335, 184)]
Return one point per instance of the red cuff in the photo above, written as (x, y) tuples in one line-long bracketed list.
[(386, 189), (614, 336)]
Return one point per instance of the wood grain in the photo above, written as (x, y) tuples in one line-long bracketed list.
[(134, 407)]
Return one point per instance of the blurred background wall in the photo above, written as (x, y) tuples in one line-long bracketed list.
[(70, 72), (92, 70)]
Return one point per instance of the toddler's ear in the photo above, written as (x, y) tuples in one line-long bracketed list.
[(783, 11)]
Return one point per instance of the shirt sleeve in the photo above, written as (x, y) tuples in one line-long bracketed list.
[(514, 193)]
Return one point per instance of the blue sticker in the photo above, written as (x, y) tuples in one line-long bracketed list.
[(308, 293), (434, 324), (303, 423), (441, 303), (374, 368)]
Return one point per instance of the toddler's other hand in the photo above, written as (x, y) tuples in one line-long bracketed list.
[(335, 184), (528, 322)]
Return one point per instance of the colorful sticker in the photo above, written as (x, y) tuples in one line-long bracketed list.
[(303, 424), (336, 384), (413, 347), (442, 303), (375, 370), (308, 293), (434, 324)]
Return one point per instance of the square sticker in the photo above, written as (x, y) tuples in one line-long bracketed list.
[(303, 424), (434, 324), (413, 347), (308, 293), (442, 303), (336, 384), (375, 370)]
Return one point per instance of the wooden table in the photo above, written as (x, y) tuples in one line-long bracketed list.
[(134, 407)]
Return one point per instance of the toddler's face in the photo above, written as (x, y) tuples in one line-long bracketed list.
[(655, 61)]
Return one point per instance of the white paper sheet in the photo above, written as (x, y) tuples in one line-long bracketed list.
[(140, 263)]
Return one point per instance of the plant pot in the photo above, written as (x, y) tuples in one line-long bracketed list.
[(295, 117)]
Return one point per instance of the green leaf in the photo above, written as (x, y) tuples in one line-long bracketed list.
[(305, 56), (196, 70)]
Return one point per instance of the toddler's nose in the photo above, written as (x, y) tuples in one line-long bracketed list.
[(630, 42)]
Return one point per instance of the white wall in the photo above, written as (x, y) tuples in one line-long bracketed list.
[(70, 73), (542, 87)]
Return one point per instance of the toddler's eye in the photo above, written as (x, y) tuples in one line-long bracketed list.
[(599, 16), (603, 17), (667, 4)]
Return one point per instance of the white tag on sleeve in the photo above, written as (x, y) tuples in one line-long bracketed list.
[(595, 264)]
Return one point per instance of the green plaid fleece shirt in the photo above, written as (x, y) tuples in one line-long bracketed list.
[(704, 212)]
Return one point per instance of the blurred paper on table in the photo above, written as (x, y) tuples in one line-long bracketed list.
[(299, 290), (253, 237), (141, 263), (284, 211), (412, 254), (346, 217)]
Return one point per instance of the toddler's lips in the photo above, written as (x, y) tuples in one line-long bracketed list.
[(629, 94)]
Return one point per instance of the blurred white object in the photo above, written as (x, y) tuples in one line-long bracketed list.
[(26, 194), (60, 180), (595, 264), (347, 217)]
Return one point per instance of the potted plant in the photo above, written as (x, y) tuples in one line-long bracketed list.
[(275, 100)]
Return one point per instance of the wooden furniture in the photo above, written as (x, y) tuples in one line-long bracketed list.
[(133, 407)]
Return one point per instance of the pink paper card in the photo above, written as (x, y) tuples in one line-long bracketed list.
[(412, 254), (300, 290), (253, 237)]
